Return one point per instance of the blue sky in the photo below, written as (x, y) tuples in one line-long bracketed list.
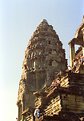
[(18, 20)]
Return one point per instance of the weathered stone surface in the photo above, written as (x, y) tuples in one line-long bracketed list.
[(46, 83), (44, 56)]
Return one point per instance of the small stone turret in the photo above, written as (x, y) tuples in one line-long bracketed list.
[(77, 40), (44, 58)]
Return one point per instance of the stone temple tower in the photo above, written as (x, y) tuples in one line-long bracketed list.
[(44, 58)]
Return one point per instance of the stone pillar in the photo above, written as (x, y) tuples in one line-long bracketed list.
[(72, 53), (83, 41), (19, 111)]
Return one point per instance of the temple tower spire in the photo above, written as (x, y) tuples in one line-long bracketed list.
[(44, 58)]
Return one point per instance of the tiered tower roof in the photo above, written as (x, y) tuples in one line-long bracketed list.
[(44, 58)]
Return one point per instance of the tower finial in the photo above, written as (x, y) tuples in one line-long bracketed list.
[(44, 21)]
